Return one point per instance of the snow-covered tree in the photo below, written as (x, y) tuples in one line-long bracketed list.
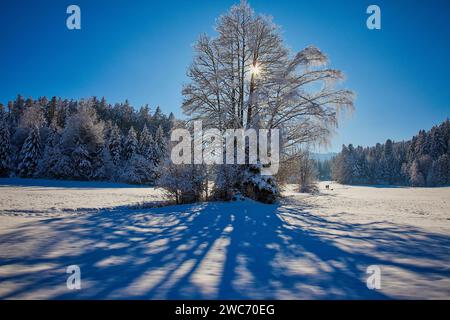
[(158, 115), (443, 170), (137, 170), (160, 150), (146, 144), (16, 109), (105, 168), (30, 154), (417, 178), (82, 140), (343, 166), (136, 167), (246, 77), (130, 145), (83, 127), (33, 116), (82, 163), (5, 147), (52, 152), (115, 145)]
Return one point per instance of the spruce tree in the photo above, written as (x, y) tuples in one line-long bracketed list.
[(131, 145), (114, 145), (146, 144), (52, 152), (83, 167), (30, 154), (5, 147), (160, 145)]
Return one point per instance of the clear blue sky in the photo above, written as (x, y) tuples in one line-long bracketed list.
[(140, 50)]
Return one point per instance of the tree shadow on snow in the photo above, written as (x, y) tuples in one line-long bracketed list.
[(64, 184), (240, 250)]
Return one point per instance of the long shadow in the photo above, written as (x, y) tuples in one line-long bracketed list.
[(64, 184), (240, 250)]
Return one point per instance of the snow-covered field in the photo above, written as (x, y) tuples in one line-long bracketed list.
[(306, 247)]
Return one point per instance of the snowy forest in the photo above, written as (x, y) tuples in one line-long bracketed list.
[(82, 140), (422, 161)]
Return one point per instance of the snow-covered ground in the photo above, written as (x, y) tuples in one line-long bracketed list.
[(306, 247)]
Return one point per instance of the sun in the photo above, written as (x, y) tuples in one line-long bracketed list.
[(255, 69)]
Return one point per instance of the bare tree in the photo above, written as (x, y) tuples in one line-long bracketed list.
[(307, 173), (301, 170)]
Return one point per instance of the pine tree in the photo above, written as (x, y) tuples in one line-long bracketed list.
[(106, 169), (83, 167), (158, 116), (52, 151), (160, 146), (172, 122), (146, 143), (343, 166), (5, 147), (388, 163), (130, 146), (443, 170), (16, 109), (417, 178), (115, 145), (30, 154), (52, 110), (137, 170)]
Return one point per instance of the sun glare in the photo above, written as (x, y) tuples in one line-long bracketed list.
[(255, 70)]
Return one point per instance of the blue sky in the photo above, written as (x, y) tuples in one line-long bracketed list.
[(139, 50)]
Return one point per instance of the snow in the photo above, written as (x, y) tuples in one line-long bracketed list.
[(306, 247), (32, 197)]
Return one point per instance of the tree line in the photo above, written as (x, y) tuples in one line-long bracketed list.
[(88, 139), (422, 161)]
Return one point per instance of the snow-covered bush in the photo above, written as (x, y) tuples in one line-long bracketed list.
[(258, 187), (185, 183), (228, 182)]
